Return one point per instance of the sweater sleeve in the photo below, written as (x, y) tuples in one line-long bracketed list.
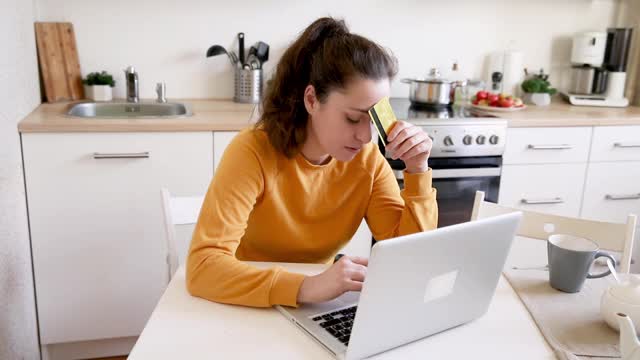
[(213, 272), (393, 212)]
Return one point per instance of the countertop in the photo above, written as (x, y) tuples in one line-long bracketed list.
[(225, 115), (208, 115), (561, 113)]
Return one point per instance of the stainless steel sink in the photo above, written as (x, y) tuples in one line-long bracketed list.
[(129, 110)]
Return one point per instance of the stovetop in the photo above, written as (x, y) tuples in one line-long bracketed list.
[(456, 131), (452, 114)]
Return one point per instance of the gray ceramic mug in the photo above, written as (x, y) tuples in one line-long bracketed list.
[(570, 258)]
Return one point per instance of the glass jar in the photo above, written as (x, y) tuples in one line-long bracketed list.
[(473, 86)]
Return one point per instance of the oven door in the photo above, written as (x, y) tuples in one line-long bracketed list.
[(457, 180)]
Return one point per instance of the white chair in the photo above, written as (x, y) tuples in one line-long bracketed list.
[(608, 236), (180, 213)]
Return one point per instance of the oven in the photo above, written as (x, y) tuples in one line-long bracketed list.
[(457, 180), (466, 156)]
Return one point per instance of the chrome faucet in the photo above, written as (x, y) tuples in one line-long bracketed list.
[(131, 77)]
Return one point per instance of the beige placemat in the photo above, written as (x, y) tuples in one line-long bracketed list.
[(571, 323)]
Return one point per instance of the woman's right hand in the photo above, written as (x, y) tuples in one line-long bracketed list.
[(346, 274)]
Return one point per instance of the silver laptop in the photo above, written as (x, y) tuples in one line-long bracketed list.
[(416, 285)]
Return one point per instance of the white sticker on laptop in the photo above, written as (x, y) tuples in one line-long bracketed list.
[(440, 286)]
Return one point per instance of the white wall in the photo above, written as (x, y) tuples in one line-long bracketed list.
[(19, 94), (166, 40)]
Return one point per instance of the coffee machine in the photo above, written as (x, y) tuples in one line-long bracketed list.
[(599, 65)]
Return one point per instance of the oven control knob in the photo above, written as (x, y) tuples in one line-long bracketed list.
[(467, 140), (481, 139), (447, 141), (493, 139)]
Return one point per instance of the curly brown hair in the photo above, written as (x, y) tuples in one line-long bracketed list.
[(327, 56)]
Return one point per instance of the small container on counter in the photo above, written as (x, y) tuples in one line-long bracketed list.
[(473, 86), (248, 85)]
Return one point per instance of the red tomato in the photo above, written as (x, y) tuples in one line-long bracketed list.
[(492, 98), (506, 102), (481, 95), (475, 102), (494, 103)]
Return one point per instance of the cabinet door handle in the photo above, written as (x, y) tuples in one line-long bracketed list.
[(623, 197), (623, 145), (550, 147), (138, 155), (557, 200)]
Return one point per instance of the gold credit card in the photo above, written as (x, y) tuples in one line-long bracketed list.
[(383, 118)]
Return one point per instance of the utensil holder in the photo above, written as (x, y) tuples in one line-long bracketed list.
[(248, 86)]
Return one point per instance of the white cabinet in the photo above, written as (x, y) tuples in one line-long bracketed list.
[(615, 143), (586, 172), (612, 191), (548, 188), (544, 169), (547, 145), (99, 250)]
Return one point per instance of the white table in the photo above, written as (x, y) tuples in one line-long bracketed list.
[(185, 327)]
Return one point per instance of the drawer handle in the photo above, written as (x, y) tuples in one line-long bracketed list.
[(622, 197), (139, 155), (623, 145), (556, 200), (550, 147)]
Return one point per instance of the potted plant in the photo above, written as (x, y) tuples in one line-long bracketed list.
[(537, 89), (98, 86)]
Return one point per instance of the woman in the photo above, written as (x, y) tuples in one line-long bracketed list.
[(296, 187)]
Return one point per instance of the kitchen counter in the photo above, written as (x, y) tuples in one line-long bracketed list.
[(561, 113), (225, 115), (208, 115)]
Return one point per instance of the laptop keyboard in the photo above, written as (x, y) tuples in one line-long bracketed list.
[(338, 323)]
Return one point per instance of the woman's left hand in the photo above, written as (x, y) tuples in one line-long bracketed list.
[(410, 144)]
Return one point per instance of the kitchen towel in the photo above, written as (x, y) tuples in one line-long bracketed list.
[(571, 323)]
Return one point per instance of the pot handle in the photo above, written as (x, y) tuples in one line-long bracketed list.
[(454, 85), (406, 81)]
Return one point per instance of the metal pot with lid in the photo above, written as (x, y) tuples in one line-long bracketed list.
[(432, 90)]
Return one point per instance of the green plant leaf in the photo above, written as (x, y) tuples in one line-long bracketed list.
[(99, 78), (537, 84)]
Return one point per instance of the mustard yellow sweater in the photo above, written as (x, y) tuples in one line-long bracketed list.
[(263, 206)]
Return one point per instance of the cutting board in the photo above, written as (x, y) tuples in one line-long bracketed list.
[(59, 64)]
